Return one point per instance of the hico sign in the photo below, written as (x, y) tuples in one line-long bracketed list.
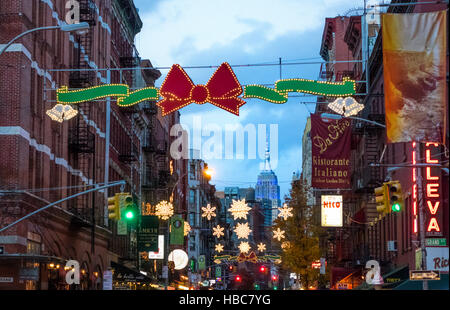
[(431, 191), (331, 211)]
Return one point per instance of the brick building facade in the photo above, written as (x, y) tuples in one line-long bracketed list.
[(45, 161)]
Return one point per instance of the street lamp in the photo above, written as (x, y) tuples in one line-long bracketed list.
[(335, 116), (65, 27)]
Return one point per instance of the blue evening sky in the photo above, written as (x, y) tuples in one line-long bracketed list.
[(209, 32)]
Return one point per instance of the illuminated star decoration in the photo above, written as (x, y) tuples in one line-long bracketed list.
[(187, 228), (164, 210), (285, 212), (218, 231), (244, 247), (242, 230), (239, 209), (208, 212), (261, 247), (278, 234), (347, 107), (219, 248)]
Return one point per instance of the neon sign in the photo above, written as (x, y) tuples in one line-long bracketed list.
[(432, 199)]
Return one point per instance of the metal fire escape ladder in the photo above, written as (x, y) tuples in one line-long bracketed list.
[(81, 139)]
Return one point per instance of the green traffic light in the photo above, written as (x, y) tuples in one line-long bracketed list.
[(275, 288), (396, 207), (129, 215)]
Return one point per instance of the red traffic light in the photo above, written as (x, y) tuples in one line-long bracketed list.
[(238, 278), (230, 267), (262, 268), (274, 277)]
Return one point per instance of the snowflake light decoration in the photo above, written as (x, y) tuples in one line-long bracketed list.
[(285, 245), (278, 234), (208, 212), (218, 231), (187, 228), (242, 230), (261, 247), (244, 247), (285, 212), (239, 209), (164, 210), (219, 248)]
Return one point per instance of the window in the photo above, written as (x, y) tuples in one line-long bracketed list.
[(191, 196)]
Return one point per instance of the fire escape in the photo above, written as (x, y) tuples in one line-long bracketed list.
[(81, 139)]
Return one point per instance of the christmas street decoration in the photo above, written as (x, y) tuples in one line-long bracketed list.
[(208, 212), (62, 112), (222, 90), (247, 258), (261, 247), (285, 212), (285, 245), (164, 210), (244, 247), (218, 231), (187, 228), (242, 230), (278, 234), (219, 248), (239, 209), (346, 107)]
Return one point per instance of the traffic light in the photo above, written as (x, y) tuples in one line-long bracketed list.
[(128, 207), (257, 287), (382, 199), (238, 278), (262, 268), (114, 207), (274, 278), (395, 196)]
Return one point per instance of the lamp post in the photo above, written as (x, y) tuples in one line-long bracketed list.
[(65, 27), (336, 116)]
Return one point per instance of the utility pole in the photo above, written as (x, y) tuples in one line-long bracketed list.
[(421, 214)]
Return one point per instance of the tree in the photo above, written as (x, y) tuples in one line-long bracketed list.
[(301, 235)]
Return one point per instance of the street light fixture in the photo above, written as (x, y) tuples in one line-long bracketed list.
[(64, 27), (335, 116)]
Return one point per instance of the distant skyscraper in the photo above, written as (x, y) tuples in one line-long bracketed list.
[(267, 191)]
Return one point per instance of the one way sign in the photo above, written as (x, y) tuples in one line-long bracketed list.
[(419, 275)]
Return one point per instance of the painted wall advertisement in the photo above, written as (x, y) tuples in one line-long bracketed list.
[(330, 152), (331, 211)]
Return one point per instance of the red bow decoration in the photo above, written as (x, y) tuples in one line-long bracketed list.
[(251, 258), (222, 90)]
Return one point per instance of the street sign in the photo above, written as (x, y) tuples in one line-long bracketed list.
[(419, 275), (436, 242), (148, 234)]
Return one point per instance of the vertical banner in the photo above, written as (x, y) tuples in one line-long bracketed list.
[(176, 230), (415, 87), (148, 233), (330, 153)]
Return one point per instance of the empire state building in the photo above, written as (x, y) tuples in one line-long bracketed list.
[(267, 191)]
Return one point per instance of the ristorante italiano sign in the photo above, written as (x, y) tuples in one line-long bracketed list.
[(330, 152)]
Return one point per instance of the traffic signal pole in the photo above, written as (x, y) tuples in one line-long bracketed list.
[(62, 200), (421, 215)]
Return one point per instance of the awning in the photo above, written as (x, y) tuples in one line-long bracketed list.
[(33, 257), (396, 277), (441, 284), (125, 274)]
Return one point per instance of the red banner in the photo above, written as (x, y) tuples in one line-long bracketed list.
[(330, 152)]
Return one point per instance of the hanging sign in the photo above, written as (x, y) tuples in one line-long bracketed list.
[(331, 211), (330, 153), (148, 234), (222, 90)]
